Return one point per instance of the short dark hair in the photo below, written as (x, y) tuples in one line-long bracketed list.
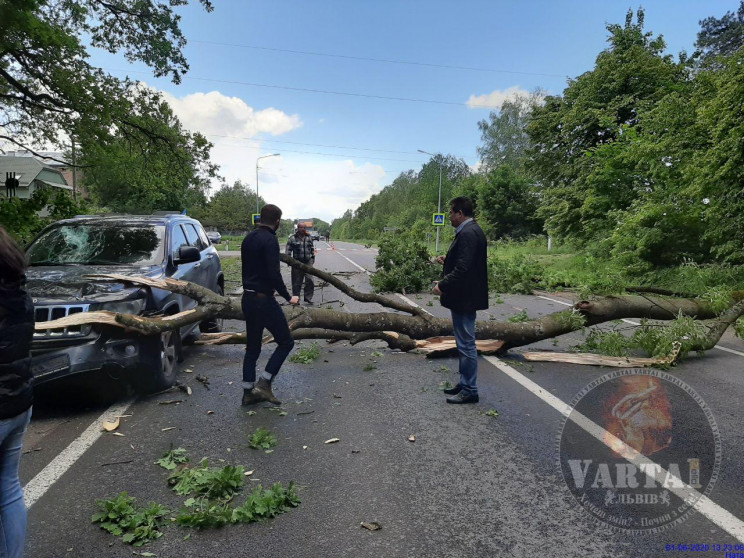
[(270, 214), (461, 203), (12, 260)]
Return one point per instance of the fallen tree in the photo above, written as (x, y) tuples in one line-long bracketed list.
[(404, 326)]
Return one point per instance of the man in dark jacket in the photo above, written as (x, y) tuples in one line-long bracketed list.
[(261, 277), (464, 289), (300, 246), (16, 332)]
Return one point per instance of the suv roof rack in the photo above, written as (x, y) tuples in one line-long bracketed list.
[(166, 213)]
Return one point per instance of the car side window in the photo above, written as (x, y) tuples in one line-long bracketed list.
[(192, 236), (178, 239), (203, 237)]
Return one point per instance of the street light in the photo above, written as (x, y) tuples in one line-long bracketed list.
[(439, 203), (257, 160)]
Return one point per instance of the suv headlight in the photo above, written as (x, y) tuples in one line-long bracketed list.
[(134, 306)]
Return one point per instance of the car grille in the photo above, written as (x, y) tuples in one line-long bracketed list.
[(48, 313)]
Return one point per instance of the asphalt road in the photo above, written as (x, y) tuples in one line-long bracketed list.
[(469, 485)]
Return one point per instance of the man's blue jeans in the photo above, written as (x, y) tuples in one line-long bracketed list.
[(464, 325), (12, 506), (264, 312)]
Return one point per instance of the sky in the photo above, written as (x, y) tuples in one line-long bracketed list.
[(347, 92)]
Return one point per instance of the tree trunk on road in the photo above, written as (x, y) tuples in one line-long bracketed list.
[(401, 330)]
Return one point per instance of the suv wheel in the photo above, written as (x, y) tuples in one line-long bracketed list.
[(214, 325), (161, 368)]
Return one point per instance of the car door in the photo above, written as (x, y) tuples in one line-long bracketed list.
[(211, 259), (191, 272), (203, 268)]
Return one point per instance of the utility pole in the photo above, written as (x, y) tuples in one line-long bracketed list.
[(262, 157)]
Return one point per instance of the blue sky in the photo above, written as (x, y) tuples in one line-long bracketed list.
[(516, 45)]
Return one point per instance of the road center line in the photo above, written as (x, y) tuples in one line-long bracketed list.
[(719, 347), (353, 262), (715, 513), (50, 474)]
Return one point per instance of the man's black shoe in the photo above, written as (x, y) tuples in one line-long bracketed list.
[(309, 302), (461, 398), (453, 390)]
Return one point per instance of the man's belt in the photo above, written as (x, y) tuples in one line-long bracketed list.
[(254, 293)]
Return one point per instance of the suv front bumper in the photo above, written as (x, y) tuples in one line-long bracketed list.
[(51, 360)]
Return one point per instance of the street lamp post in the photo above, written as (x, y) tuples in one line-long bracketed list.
[(257, 160), (439, 203)]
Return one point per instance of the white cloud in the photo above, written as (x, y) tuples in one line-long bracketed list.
[(496, 98), (476, 168), (302, 185), (216, 114)]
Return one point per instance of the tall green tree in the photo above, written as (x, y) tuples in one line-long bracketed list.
[(504, 136), (47, 85), (507, 205), (231, 207), (720, 36), (154, 164), (579, 192)]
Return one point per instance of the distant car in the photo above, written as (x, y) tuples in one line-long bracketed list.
[(214, 237), (314, 235), (64, 253)]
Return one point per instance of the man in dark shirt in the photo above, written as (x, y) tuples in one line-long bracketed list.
[(261, 277), (464, 289)]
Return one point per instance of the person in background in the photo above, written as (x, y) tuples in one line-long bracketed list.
[(464, 289), (300, 246), (16, 396), (261, 278)]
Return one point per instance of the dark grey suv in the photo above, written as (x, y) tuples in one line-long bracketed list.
[(63, 254)]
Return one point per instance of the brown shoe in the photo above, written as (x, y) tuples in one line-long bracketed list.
[(250, 397), (263, 388)]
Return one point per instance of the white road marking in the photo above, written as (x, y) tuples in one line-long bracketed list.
[(715, 513), (42, 482), (719, 347), (354, 263)]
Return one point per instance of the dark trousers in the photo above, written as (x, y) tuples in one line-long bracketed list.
[(297, 277), (261, 312)]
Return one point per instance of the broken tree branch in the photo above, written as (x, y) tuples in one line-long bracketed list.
[(402, 330)]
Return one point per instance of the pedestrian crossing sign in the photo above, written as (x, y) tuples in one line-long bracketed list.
[(437, 219), (256, 218)]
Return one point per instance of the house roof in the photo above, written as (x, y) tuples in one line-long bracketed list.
[(27, 169)]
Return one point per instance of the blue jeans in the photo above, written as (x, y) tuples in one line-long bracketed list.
[(264, 312), (12, 506), (463, 324)]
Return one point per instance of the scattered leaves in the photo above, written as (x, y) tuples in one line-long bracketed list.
[(121, 518), (210, 482), (306, 355), (262, 439), (332, 441), (412, 438), (371, 526), (173, 458)]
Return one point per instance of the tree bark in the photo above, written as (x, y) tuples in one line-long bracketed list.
[(400, 330)]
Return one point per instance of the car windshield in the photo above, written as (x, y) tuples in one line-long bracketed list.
[(101, 244)]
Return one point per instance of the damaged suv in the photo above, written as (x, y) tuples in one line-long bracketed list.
[(66, 252)]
